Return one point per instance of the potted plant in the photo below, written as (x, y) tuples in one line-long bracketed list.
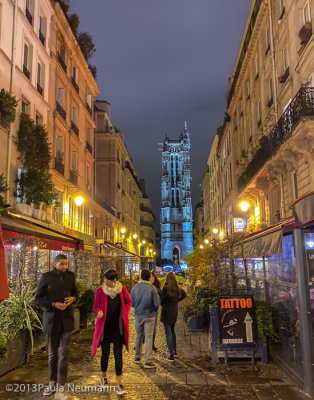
[(196, 314), (20, 324)]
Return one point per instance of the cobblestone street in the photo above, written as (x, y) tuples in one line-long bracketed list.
[(190, 377)]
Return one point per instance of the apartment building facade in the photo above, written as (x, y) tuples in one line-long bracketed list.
[(117, 185), (264, 158), (148, 230)]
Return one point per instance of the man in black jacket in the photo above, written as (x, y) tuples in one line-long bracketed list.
[(56, 291)]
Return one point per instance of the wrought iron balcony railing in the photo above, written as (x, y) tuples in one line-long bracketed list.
[(74, 128), (42, 38), (29, 16), (61, 111), (59, 166), (40, 89), (62, 62), (89, 109), (26, 72), (75, 85), (301, 106), (89, 147)]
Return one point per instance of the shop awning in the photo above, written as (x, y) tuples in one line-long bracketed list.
[(42, 237), (304, 209), (267, 242), (119, 250)]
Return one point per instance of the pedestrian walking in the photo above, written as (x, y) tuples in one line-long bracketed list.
[(56, 292), (171, 294), (155, 281), (145, 301), (112, 305)]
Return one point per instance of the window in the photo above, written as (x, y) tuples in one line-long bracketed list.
[(29, 10), (258, 113), (177, 198), (25, 106), (88, 177), (74, 115), (282, 8), (42, 30), (267, 40), (74, 160), (40, 78), (306, 13), (89, 135), (60, 148), (61, 97), (39, 119), (27, 60), (285, 58), (248, 89), (295, 185), (256, 66)]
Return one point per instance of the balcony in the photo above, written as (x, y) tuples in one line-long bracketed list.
[(301, 106), (74, 128), (89, 109), (61, 111), (75, 85), (29, 16), (284, 76), (89, 147), (59, 166), (146, 209), (40, 90), (26, 72), (42, 38), (62, 62), (145, 223), (74, 177)]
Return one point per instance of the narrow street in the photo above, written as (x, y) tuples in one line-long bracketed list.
[(190, 377)]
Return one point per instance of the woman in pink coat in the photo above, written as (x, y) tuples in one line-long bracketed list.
[(112, 305)]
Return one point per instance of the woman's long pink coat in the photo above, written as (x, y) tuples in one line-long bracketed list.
[(101, 303)]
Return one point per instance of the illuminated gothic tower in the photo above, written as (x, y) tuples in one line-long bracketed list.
[(176, 205)]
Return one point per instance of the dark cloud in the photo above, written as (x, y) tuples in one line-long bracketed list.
[(161, 62)]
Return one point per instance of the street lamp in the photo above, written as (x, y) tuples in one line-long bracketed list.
[(134, 236), (79, 200), (143, 241), (215, 231), (123, 230), (244, 205), (201, 246), (206, 241)]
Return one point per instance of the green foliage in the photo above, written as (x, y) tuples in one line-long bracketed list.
[(35, 181), (201, 299), (128, 283), (86, 295), (264, 321), (3, 346), (19, 313), (86, 43), (3, 188), (93, 70), (8, 106), (74, 22)]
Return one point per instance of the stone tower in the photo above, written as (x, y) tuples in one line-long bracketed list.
[(176, 204)]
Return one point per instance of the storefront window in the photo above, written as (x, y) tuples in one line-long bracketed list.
[(281, 277)]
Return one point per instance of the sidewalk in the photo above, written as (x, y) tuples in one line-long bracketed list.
[(190, 377)]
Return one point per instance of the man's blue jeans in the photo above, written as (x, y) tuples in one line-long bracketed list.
[(171, 338)]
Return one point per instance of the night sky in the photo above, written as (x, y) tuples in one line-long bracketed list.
[(161, 62)]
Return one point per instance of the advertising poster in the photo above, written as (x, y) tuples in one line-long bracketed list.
[(236, 320)]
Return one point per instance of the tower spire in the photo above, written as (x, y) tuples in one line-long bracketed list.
[(185, 125)]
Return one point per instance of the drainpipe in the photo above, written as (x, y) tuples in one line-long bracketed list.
[(272, 57), (12, 73)]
